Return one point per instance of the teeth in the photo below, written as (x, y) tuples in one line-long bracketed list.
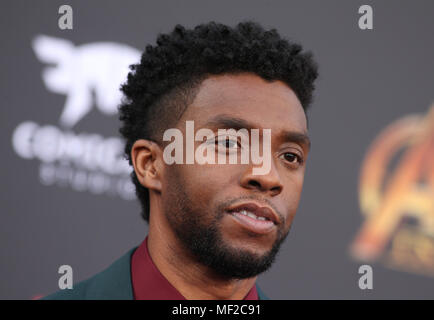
[(252, 215)]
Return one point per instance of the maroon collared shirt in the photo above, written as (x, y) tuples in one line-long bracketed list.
[(150, 284)]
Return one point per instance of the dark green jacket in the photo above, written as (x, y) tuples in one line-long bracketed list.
[(113, 283)]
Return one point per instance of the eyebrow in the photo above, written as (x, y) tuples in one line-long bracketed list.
[(229, 122)]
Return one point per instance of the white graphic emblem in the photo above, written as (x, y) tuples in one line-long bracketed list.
[(80, 71)]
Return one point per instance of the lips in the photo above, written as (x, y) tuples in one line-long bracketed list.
[(254, 218), (255, 211)]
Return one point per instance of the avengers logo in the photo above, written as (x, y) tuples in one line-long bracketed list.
[(396, 194)]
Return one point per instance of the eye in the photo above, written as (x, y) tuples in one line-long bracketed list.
[(227, 143), (292, 158)]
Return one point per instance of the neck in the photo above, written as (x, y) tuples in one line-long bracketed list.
[(193, 280)]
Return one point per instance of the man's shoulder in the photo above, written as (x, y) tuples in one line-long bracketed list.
[(113, 283), (261, 294)]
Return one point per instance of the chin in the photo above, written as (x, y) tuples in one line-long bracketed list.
[(254, 247)]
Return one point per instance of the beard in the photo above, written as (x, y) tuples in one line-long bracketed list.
[(199, 233)]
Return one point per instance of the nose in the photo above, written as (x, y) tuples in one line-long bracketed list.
[(268, 183)]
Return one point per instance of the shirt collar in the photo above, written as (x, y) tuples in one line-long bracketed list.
[(150, 284)]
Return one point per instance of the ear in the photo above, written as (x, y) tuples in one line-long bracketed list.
[(146, 158)]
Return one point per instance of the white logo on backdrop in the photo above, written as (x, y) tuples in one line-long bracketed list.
[(89, 76), (81, 70)]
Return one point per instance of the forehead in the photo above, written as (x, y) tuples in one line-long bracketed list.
[(268, 104)]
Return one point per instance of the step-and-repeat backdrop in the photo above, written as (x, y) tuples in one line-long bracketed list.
[(365, 225)]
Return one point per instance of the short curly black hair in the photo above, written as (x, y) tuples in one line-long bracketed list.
[(160, 88)]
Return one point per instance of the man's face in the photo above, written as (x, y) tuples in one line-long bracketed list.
[(197, 199)]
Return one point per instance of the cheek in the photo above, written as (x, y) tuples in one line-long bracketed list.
[(203, 184), (292, 194), (212, 176)]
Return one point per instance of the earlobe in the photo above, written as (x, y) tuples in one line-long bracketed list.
[(144, 155)]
